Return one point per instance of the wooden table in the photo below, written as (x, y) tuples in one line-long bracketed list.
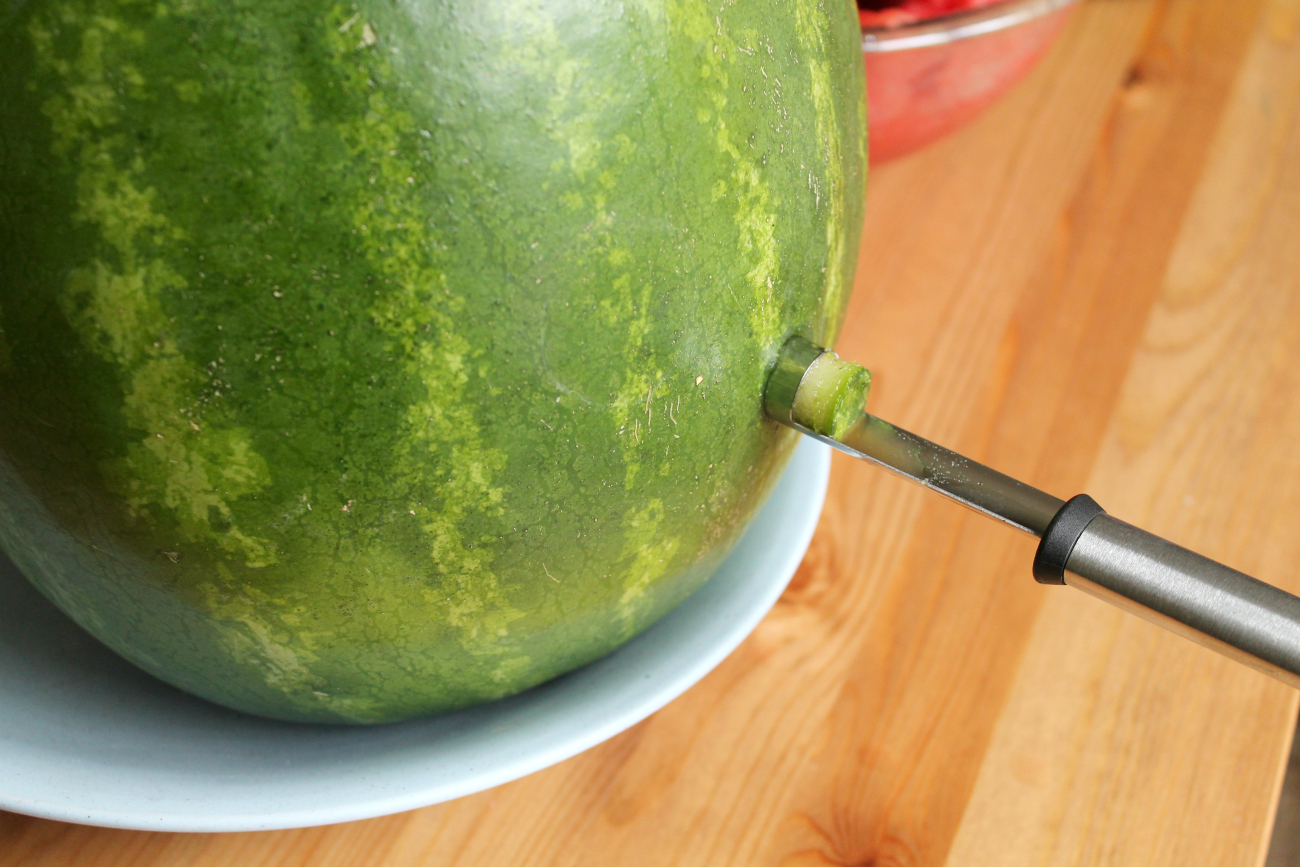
[(1096, 287)]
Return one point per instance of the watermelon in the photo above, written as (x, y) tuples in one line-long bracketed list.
[(361, 361)]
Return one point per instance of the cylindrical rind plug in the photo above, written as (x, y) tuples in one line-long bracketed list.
[(831, 396)]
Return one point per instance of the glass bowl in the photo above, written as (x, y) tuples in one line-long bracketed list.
[(926, 79)]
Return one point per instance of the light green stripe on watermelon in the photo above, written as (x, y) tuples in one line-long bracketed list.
[(812, 25), (189, 460), (593, 170), (745, 188), (441, 440), (453, 318)]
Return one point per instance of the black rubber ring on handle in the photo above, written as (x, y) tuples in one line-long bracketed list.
[(1060, 537)]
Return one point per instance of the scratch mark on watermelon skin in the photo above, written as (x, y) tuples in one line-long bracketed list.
[(488, 298)]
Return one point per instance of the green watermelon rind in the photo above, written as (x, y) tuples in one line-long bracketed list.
[(364, 361)]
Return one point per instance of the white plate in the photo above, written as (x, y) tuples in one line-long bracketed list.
[(86, 737)]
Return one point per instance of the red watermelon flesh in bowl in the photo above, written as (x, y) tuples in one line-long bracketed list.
[(876, 14), (934, 65)]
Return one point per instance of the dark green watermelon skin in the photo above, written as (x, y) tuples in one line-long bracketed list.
[(364, 361)]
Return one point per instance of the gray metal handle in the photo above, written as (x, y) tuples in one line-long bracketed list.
[(1221, 608)]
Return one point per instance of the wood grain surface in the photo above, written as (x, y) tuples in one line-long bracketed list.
[(1095, 287)]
